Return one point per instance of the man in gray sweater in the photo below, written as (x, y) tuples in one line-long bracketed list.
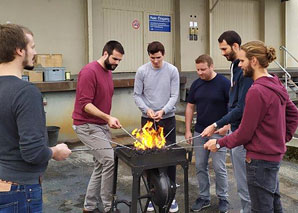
[(24, 153), (156, 92)]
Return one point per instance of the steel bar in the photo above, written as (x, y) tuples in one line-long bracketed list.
[(184, 140), (169, 132), (111, 142), (130, 134)]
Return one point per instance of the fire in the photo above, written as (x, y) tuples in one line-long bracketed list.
[(148, 137)]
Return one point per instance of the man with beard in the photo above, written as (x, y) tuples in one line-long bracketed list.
[(156, 92), (24, 153), (269, 120), (92, 119), (229, 44)]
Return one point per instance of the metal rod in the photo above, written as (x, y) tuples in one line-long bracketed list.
[(184, 140), (87, 149), (169, 132), (154, 124), (111, 142), (130, 134)]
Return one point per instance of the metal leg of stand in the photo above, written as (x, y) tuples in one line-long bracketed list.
[(115, 182), (135, 192), (186, 202)]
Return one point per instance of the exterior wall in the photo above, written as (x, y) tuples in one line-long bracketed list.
[(291, 32), (112, 19), (190, 50), (274, 36), (58, 27), (60, 105)]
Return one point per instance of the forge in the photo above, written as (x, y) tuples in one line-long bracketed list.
[(150, 167)]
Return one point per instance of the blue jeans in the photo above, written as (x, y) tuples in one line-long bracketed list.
[(22, 199), (263, 186), (219, 166)]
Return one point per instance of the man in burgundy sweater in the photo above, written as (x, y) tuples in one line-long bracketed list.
[(269, 121), (92, 119)]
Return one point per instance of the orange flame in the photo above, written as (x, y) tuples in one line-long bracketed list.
[(148, 137)]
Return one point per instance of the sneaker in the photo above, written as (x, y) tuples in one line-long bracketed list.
[(200, 204), (223, 206), (150, 207), (174, 206)]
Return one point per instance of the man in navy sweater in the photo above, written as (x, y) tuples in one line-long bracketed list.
[(229, 44), (269, 120), (24, 153)]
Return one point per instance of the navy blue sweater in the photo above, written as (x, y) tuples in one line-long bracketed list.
[(211, 100), (24, 154), (237, 94)]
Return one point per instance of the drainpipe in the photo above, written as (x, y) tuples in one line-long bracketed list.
[(90, 30)]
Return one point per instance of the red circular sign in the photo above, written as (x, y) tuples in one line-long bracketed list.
[(135, 24)]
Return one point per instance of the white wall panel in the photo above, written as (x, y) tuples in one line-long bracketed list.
[(242, 16), (118, 26)]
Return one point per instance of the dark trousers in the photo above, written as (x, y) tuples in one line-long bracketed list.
[(168, 124), (263, 186)]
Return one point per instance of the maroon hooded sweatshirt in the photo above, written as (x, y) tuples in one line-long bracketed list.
[(269, 120)]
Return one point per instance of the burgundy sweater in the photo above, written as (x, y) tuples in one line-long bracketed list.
[(269, 120), (95, 85)]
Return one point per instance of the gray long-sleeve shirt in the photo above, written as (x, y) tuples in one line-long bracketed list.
[(24, 153), (157, 89)]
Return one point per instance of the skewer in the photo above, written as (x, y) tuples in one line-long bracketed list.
[(130, 134), (169, 132), (112, 142), (184, 140), (87, 149)]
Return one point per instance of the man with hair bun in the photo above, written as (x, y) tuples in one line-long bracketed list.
[(269, 120)]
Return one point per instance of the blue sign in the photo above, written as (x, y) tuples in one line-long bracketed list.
[(160, 23)]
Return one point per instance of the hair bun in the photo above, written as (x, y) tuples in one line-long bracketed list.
[(271, 54)]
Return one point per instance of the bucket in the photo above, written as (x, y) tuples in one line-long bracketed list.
[(53, 132)]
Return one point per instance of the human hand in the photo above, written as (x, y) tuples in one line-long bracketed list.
[(223, 131), (114, 123), (188, 137), (158, 115), (208, 131), (60, 152), (211, 145), (150, 113)]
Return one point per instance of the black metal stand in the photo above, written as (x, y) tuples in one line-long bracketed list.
[(139, 164)]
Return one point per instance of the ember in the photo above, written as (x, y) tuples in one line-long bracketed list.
[(149, 138)]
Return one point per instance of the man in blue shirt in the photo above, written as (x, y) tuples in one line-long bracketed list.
[(229, 44), (209, 95)]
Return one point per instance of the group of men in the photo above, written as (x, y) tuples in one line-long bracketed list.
[(251, 114)]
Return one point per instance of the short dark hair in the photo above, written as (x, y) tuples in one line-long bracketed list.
[(155, 47), (113, 45), (12, 37), (230, 37), (204, 59)]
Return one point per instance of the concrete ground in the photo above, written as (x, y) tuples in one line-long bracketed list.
[(65, 184)]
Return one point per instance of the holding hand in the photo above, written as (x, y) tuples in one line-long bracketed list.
[(114, 123), (150, 113), (158, 115), (188, 137), (208, 131), (211, 145), (60, 152)]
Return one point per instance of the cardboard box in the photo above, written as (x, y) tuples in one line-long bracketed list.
[(48, 60), (34, 76)]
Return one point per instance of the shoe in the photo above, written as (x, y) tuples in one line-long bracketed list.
[(150, 207), (174, 206), (223, 206), (200, 204)]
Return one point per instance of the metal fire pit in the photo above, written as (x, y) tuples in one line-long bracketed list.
[(140, 161)]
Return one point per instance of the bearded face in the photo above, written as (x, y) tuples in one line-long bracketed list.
[(248, 71), (109, 65)]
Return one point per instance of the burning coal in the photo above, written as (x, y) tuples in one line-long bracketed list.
[(149, 138)]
